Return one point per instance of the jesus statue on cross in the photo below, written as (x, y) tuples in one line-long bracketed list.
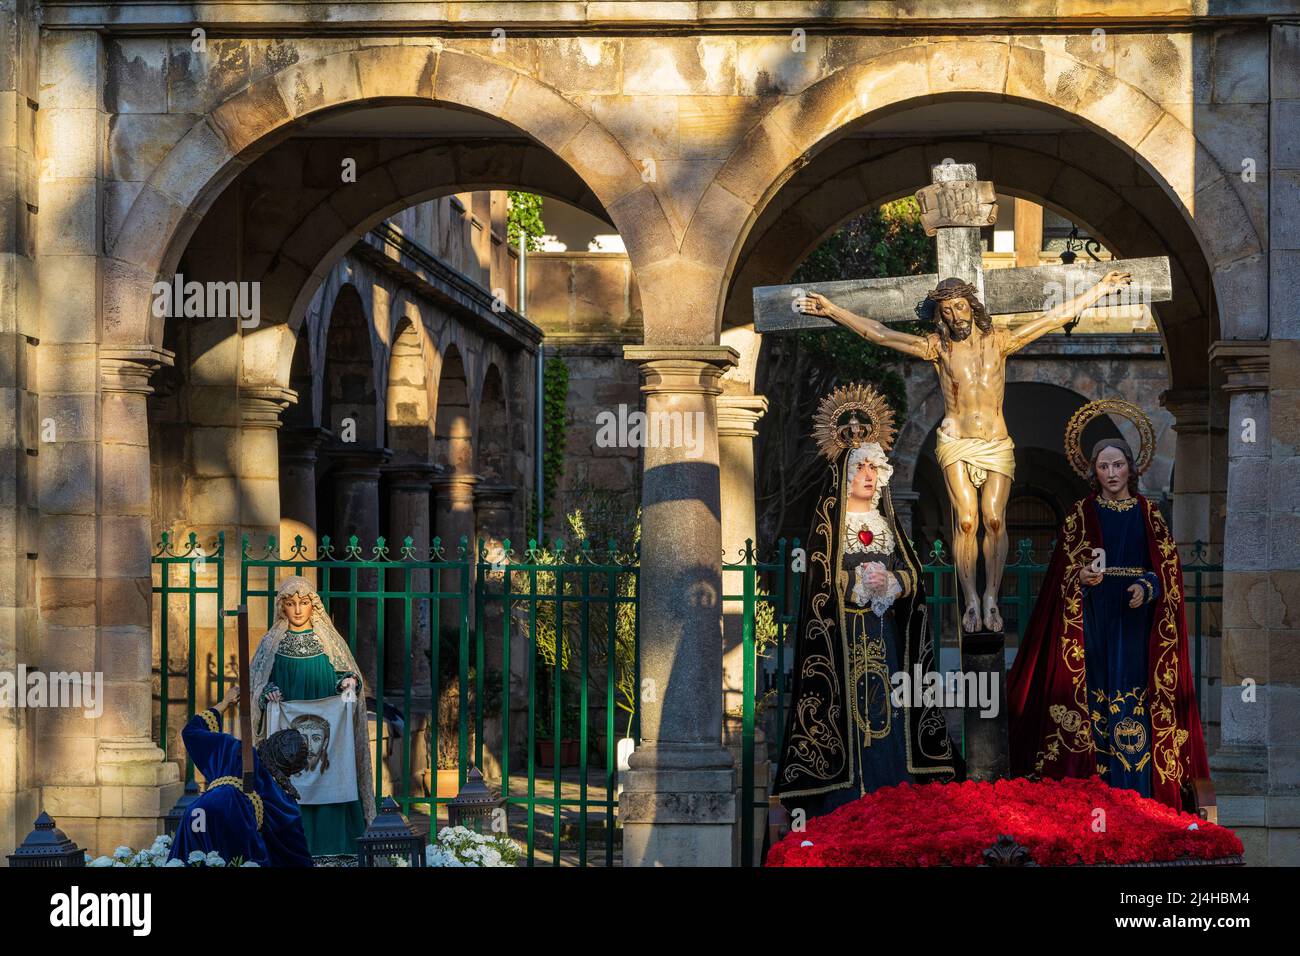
[(968, 352), (973, 446)]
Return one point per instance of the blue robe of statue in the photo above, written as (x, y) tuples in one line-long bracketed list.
[(1115, 648), (224, 819)]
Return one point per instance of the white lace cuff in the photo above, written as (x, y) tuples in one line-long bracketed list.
[(884, 602)]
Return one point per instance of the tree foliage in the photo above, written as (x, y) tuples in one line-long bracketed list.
[(797, 369), (524, 215)]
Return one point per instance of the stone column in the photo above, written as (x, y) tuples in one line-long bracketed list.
[(258, 473), (298, 448), (356, 512), (453, 507), (136, 785), (72, 352), (1240, 767), (409, 486), (904, 503), (1193, 479), (1195, 491), (678, 806), (738, 417), (494, 515), (256, 488)]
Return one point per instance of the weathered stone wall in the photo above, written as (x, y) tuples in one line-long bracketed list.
[(19, 411)]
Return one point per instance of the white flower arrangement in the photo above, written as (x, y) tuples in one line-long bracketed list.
[(461, 846), (157, 855)]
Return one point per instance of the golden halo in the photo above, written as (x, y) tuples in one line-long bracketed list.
[(851, 416), (1108, 406)]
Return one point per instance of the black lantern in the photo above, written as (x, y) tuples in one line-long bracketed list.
[(475, 805), (388, 836), (47, 846), (172, 822)]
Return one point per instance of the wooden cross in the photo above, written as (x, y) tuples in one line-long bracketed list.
[(245, 703), (954, 209)]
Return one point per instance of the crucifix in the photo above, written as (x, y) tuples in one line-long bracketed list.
[(967, 350)]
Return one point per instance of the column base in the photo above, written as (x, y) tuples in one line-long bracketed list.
[(136, 788), (1268, 823), (733, 739), (678, 806)]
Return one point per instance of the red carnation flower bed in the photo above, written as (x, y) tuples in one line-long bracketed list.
[(953, 824)]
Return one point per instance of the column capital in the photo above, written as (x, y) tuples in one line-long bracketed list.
[(1244, 364), (299, 445), (493, 492), (129, 369), (454, 481), (739, 414), (410, 476), (1190, 408), (682, 368), (260, 406), (357, 462)]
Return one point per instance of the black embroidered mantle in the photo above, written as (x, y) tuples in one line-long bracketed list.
[(818, 751)]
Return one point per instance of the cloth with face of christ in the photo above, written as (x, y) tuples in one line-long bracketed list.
[(331, 772)]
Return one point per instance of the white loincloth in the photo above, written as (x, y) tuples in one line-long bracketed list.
[(979, 455)]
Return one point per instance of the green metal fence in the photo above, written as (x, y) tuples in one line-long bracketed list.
[(532, 647), (562, 621), (201, 575)]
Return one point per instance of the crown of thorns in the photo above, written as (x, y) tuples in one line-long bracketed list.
[(952, 289)]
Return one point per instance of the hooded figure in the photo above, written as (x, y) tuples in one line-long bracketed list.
[(310, 660), (862, 619), (263, 826)]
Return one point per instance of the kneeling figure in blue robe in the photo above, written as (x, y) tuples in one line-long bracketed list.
[(262, 827)]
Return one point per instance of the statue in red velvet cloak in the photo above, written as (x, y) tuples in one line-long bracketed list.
[(1139, 729)]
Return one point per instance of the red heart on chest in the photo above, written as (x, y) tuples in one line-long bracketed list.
[(866, 537)]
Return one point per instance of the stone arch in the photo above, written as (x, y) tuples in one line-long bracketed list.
[(229, 138), (453, 429), (853, 175), (349, 381), (805, 124), (407, 416), (305, 412), (492, 428)]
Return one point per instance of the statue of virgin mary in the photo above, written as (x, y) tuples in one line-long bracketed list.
[(303, 657), (863, 619)]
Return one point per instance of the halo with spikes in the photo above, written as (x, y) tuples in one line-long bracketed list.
[(1108, 406), (851, 416)]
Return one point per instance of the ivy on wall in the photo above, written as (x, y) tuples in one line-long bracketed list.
[(555, 435)]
